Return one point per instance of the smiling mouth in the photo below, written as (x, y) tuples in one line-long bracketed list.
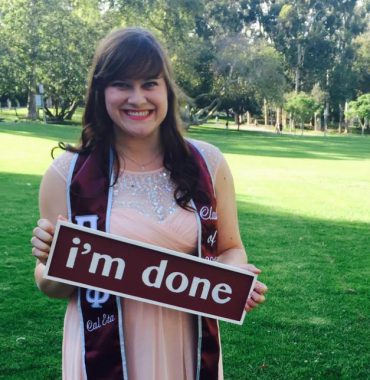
[(138, 115)]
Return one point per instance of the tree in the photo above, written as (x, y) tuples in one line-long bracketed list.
[(49, 42), (67, 51), (319, 96), (315, 37), (246, 73), (179, 25), (302, 107), (19, 24), (360, 108), (362, 61)]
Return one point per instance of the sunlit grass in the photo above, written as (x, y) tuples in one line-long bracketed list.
[(304, 211)]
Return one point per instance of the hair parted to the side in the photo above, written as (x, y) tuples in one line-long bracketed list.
[(136, 54)]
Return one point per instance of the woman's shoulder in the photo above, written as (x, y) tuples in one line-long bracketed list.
[(61, 164), (210, 153), (204, 146)]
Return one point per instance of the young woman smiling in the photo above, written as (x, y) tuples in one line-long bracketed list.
[(135, 174)]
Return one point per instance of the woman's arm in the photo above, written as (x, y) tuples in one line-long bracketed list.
[(230, 246), (52, 204)]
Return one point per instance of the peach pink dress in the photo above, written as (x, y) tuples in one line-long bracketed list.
[(160, 343)]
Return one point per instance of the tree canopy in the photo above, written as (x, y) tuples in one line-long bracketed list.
[(235, 55)]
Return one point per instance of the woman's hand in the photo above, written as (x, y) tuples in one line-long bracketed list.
[(257, 295), (41, 240)]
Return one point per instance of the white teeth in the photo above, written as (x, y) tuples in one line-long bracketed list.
[(138, 113)]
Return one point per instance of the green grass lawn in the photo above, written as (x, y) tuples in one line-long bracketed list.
[(304, 210)]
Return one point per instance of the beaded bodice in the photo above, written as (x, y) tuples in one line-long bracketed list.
[(150, 193)]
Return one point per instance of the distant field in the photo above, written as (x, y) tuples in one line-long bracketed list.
[(304, 211)]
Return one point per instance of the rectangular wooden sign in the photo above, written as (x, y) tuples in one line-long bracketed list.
[(97, 260)]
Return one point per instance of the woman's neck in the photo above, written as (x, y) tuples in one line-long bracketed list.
[(140, 155)]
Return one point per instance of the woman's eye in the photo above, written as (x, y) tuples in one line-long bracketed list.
[(121, 85), (150, 84)]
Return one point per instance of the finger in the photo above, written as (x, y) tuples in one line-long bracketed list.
[(260, 287), (40, 245), (61, 217), (258, 298), (250, 304), (42, 256), (252, 268), (42, 235), (247, 308), (46, 225)]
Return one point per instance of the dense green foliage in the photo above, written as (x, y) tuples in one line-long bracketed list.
[(301, 107), (304, 218), (49, 42), (360, 109), (236, 54)]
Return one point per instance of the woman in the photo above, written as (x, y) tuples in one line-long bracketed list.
[(136, 176)]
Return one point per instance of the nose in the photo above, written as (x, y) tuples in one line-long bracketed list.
[(136, 96)]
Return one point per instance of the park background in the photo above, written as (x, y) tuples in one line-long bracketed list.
[(246, 69)]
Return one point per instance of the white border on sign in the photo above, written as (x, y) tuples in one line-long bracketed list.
[(148, 246)]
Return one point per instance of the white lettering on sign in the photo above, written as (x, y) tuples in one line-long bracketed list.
[(184, 282), (74, 250), (156, 276), (221, 288), (177, 282), (159, 277), (194, 287), (108, 261), (207, 213), (97, 257)]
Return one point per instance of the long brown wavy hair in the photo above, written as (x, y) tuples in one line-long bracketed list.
[(136, 54)]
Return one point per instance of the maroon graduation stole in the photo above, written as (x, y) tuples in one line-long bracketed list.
[(89, 204)]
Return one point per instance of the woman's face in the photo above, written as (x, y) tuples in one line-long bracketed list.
[(137, 107)]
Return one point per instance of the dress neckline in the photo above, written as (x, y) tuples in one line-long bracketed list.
[(142, 172)]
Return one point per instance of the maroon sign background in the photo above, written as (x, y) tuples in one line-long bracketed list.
[(97, 260)]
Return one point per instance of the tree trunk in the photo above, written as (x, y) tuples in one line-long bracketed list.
[(284, 118), (340, 119), (248, 118), (265, 111), (300, 57), (278, 119), (326, 116), (31, 105), (31, 101), (71, 110), (319, 123), (297, 79), (48, 112), (346, 121), (237, 120), (271, 115)]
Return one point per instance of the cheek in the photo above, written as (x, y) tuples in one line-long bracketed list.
[(111, 97)]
